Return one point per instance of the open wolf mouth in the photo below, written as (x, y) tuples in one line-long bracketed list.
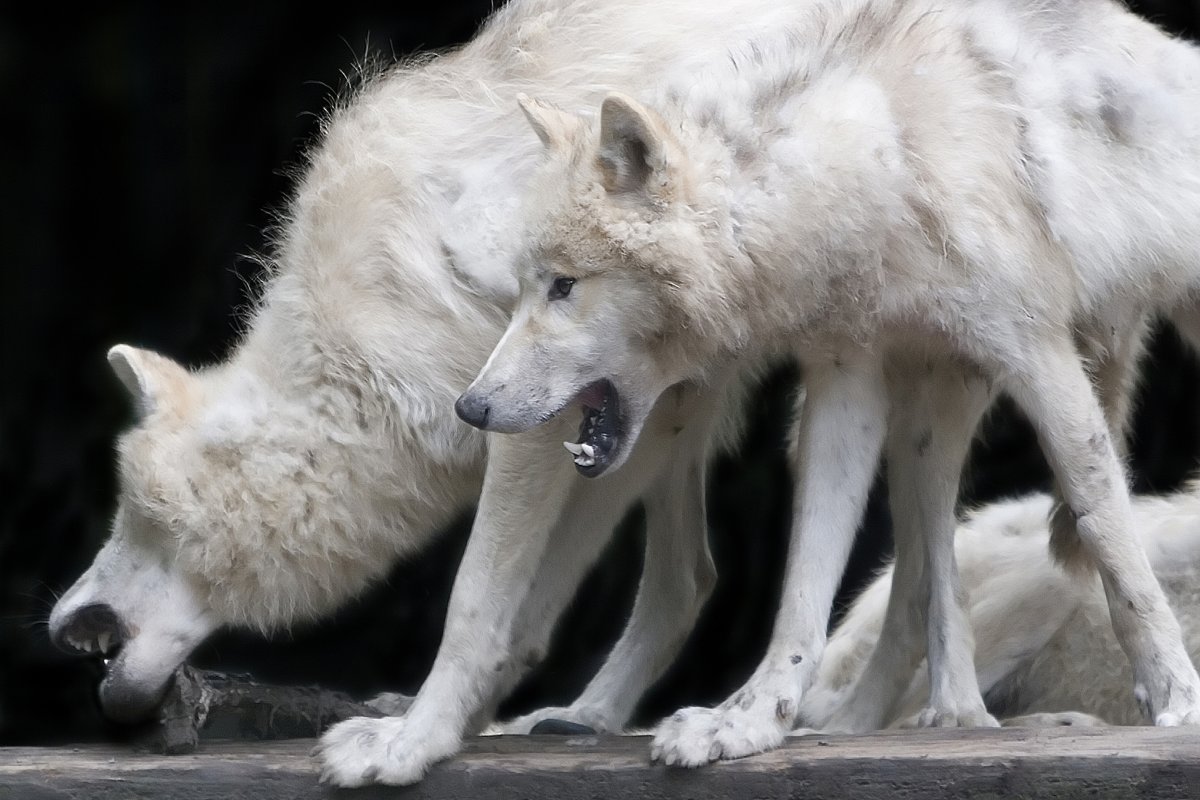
[(98, 633), (600, 431)]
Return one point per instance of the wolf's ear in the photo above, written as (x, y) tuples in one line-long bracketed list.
[(149, 377), (553, 126), (635, 148)]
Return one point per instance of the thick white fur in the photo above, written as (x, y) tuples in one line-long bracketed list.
[(926, 203), (272, 487), (1045, 649)]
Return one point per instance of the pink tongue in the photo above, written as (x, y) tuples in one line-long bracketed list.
[(592, 396)]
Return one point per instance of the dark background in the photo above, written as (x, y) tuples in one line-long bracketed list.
[(142, 152)]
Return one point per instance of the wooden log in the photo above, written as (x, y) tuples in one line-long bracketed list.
[(1057, 763), (202, 704)]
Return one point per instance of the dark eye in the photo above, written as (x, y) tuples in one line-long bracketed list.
[(560, 288)]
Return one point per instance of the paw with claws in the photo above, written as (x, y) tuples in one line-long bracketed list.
[(391, 750), (956, 718), (754, 720), (1174, 719)]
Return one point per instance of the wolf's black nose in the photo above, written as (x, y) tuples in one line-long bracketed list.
[(473, 410)]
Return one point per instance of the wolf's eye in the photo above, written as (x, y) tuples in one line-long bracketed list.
[(560, 288)]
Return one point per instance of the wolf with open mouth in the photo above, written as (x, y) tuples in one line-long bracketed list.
[(926, 204)]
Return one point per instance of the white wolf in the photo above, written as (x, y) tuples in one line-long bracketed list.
[(270, 488), (925, 202)]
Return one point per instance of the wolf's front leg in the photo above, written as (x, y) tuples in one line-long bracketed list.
[(841, 434), (677, 573), (524, 493), (677, 578), (539, 528)]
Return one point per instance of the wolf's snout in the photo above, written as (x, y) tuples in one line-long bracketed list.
[(94, 628), (473, 410)]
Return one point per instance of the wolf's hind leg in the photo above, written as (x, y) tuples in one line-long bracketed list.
[(1115, 355), (1049, 382)]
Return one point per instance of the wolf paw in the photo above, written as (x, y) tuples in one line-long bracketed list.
[(1174, 719), (750, 722), (361, 751), (1171, 698), (685, 738), (955, 718)]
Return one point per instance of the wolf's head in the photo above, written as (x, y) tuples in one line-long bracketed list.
[(135, 606), (619, 291), (234, 510)]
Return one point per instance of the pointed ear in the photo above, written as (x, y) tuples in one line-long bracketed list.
[(150, 378), (555, 127), (634, 146)]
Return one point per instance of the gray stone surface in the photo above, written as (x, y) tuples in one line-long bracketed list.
[(1113, 763)]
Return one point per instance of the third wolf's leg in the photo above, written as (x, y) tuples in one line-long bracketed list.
[(841, 433)]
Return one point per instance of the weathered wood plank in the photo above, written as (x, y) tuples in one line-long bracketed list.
[(202, 704), (1055, 763)]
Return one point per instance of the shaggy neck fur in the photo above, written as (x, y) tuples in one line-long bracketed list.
[(804, 126), (727, 271)]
